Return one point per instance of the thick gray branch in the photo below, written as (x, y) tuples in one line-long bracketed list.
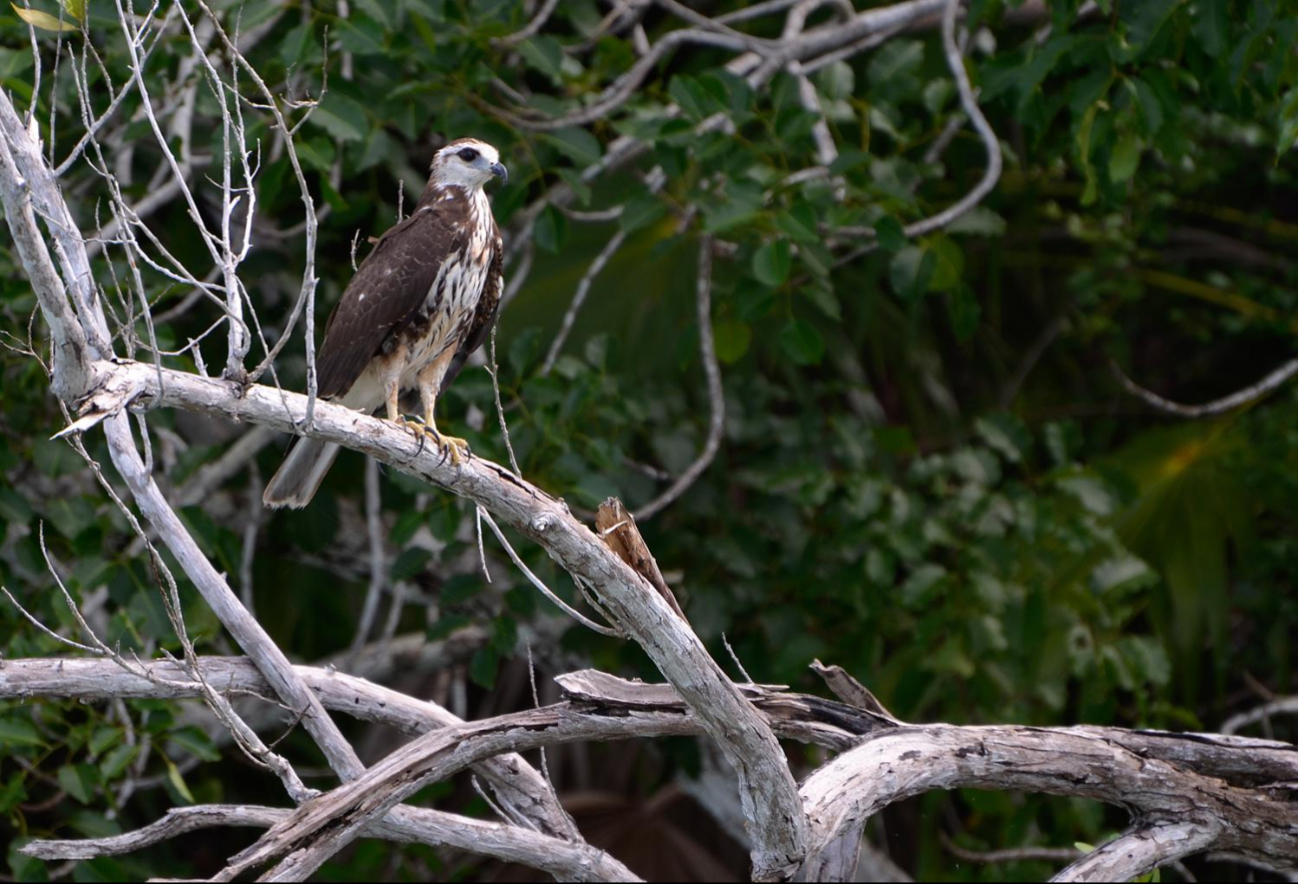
[(1140, 851), (1091, 763)]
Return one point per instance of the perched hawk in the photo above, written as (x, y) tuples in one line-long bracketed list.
[(421, 302)]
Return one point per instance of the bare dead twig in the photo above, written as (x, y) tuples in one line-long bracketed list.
[(1240, 398)]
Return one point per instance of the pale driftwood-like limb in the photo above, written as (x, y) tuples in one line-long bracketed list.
[(1202, 780), (906, 761), (218, 594), (678, 653), (618, 528), (1238, 399), (564, 860), (1139, 851), (72, 354), (516, 783), (716, 394)]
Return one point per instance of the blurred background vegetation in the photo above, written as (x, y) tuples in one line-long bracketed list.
[(929, 473)]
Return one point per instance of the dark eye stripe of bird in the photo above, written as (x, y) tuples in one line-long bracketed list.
[(420, 303)]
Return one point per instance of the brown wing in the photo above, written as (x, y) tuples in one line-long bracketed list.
[(485, 316), (386, 292)]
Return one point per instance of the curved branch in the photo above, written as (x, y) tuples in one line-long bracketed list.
[(716, 394), (1282, 706), (578, 299), (1239, 398), (531, 28), (1139, 851), (969, 101), (1103, 766)]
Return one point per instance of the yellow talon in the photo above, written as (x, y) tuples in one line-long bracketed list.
[(457, 449), (454, 448)]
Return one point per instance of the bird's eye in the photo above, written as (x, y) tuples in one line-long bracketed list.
[(468, 154)]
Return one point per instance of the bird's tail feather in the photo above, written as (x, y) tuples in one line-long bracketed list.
[(299, 477)]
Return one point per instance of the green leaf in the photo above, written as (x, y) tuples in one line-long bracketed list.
[(577, 144), (1125, 158), (837, 82), (25, 868), (551, 230), (978, 221), (892, 237), (75, 8), (921, 585), (16, 731), (1005, 435), (340, 116), (79, 781), (948, 267), (640, 211), (731, 339), (799, 223), (103, 738), (895, 60), (772, 263), (821, 293), (802, 343), (410, 563), (544, 54), (116, 760), (911, 271), (44, 20), (1145, 18), (483, 667), (1212, 26), (196, 742), (1288, 123), (964, 311), (177, 780)]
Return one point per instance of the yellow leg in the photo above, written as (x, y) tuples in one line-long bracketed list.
[(430, 382), (394, 400)]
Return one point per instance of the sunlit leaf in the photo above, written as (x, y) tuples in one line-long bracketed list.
[(43, 20)]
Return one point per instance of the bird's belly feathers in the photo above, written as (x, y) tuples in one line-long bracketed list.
[(444, 320)]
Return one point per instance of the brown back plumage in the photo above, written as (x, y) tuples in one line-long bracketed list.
[(391, 285)]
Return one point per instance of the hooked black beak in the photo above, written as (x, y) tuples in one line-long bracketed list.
[(499, 170)]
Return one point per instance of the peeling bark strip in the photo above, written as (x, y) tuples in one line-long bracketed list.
[(618, 528), (849, 690)]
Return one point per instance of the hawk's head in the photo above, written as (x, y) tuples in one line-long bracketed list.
[(467, 163)]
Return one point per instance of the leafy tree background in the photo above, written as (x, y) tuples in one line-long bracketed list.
[(929, 474)]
